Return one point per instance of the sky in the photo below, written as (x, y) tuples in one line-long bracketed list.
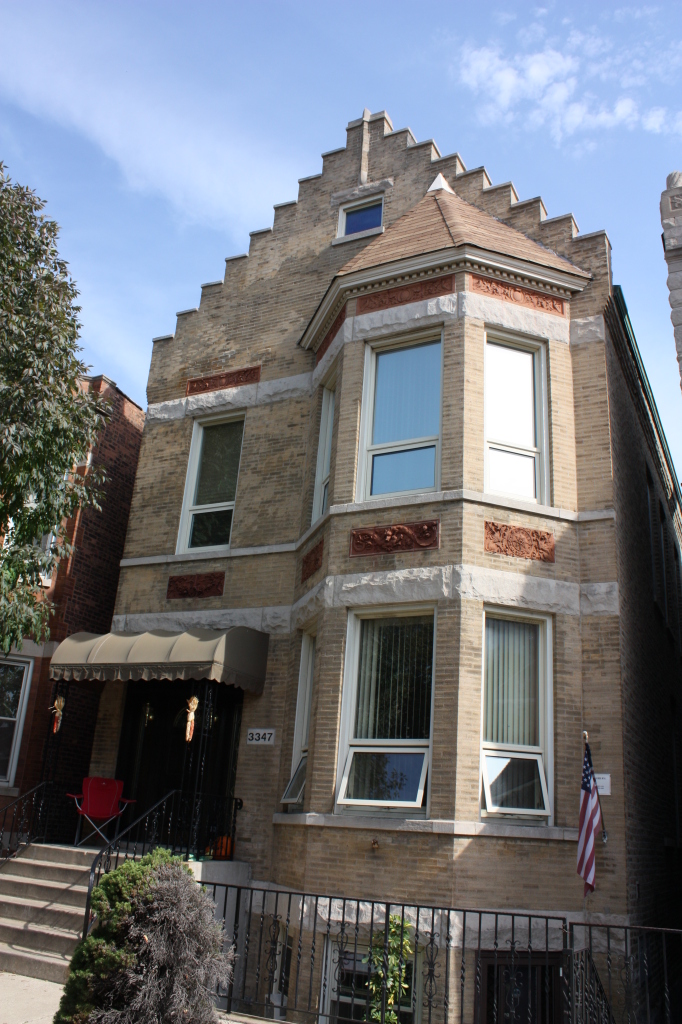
[(160, 134)]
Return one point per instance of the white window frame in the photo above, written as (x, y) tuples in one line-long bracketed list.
[(367, 449), (375, 200), (302, 722), (541, 450), (27, 664), (545, 750), (188, 506), (348, 743), (324, 451)]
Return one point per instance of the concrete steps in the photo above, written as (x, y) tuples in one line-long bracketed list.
[(42, 903)]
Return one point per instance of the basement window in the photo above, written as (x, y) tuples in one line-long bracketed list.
[(211, 485), (362, 217)]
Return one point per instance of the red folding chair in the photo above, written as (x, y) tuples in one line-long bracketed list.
[(101, 800)]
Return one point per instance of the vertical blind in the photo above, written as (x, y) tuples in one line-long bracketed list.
[(394, 679), (407, 396), (511, 682)]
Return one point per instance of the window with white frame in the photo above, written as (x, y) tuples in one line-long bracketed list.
[(516, 755), (324, 455), (514, 419), (211, 485), (386, 720), (293, 794), (361, 216), (402, 419), (15, 681)]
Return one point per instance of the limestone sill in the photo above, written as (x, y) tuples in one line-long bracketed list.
[(495, 829)]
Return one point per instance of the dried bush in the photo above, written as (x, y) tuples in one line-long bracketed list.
[(155, 956)]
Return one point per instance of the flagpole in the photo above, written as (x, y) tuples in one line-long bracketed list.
[(604, 836)]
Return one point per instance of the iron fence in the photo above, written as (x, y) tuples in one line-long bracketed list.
[(317, 959), (23, 821)]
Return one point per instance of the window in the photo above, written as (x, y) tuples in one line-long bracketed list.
[(516, 751), (402, 426), (15, 681), (293, 794), (211, 485), (387, 711), (324, 454), (361, 217), (514, 420)]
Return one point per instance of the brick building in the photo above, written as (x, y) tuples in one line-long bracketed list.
[(83, 590), (409, 439)]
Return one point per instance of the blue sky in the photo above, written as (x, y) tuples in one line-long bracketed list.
[(162, 133)]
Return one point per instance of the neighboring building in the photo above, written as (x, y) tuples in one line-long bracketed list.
[(410, 439), (671, 222), (83, 590)]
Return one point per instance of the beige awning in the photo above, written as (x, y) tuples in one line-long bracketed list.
[(238, 656)]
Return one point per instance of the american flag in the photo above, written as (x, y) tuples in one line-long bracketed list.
[(590, 816)]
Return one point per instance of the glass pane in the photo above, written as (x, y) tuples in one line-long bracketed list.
[(294, 791), (6, 737), (328, 429), (210, 528), (413, 470), (514, 782), (219, 464), (307, 652), (511, 682), (363, 219), (509, 473), (391, 775), (509, 396), (407, 394), (394, 679), (11, 678)]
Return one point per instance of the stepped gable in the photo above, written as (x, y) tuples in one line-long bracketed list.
[(442, 220)]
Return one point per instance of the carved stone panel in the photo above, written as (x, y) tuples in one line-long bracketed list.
[(521, 296), (384, 540), (198, 584), (429, 288), (519, 541), (219, 381), (330, 335), (312, 561)]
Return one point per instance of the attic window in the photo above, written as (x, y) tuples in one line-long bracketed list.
[(366, 217)]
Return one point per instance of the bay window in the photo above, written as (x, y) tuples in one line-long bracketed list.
[(514, 420), (293, 794), (516, 754), (324, 455), (386, 720), (211, 485), (402, 419)]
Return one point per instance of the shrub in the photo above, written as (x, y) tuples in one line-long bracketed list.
[(155, 954), (388, 977)]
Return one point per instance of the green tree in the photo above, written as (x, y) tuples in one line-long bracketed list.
[(48, 423), (389, 961)]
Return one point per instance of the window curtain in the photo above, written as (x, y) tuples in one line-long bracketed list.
[(511, 683), (394, 679)]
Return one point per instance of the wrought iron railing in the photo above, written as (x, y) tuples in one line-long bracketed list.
[(317, 959), (192, 828), (23, 821)]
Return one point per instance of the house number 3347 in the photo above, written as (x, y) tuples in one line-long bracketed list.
[(263, 737)]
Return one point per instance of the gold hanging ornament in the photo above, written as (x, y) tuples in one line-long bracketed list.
[(58, 711), (192, 705)]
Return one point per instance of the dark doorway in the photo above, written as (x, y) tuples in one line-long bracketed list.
[(155, 757)]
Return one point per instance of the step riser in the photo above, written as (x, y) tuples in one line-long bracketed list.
[(46, 970), (28, 889), (76, 856), (47, 942), (69, 919), (50, 872)]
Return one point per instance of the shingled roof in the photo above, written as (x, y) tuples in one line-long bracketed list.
[(441, 220)]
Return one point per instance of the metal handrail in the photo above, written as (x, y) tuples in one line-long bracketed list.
[(23, 803)]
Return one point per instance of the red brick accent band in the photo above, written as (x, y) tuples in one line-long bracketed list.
[(312, 561), (430, 288), (521, 296), (384, 540), (199, 584), (519, 541), (218, 381), (330, 335)]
